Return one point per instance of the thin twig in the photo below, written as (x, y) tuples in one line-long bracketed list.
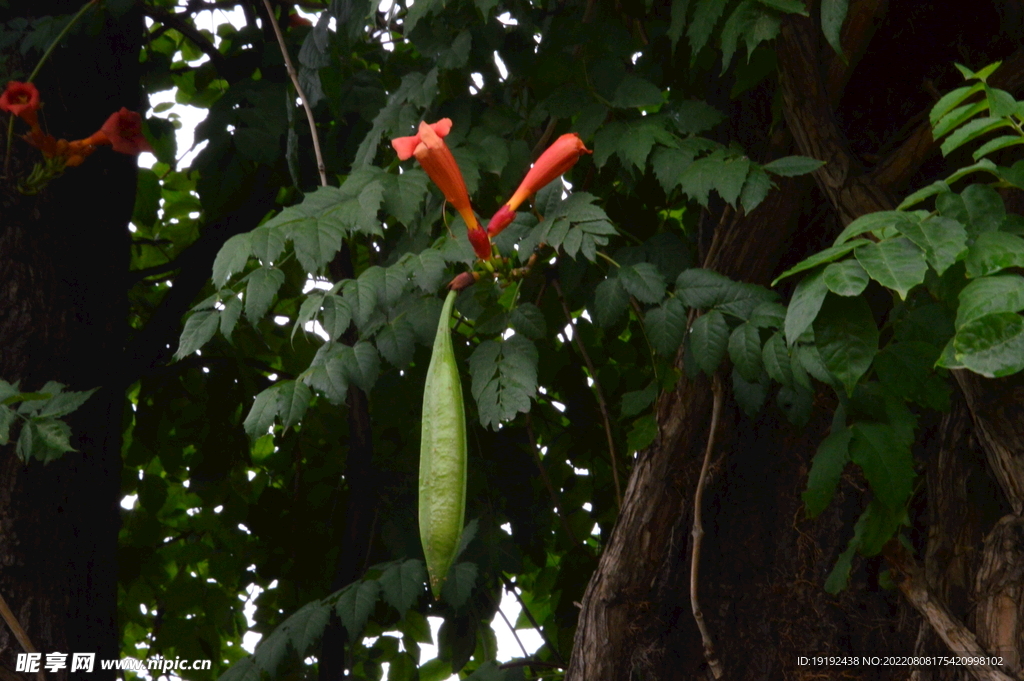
[(529, 663), (19, 633), (302, 95), (698, 534), (602, 406), (547, 481), (514, 634), (182, 26), (526, 611)]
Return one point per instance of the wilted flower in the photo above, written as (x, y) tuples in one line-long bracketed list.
[(430, 150), (554, 162)]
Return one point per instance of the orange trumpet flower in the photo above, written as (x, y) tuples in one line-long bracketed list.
[(554, 162), (430, 150), (22, 100)]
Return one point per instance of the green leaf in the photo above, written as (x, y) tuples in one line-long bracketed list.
[(678, 23), (644, 281), (403, 583), (199, 328), (839, 578), (610, 301), (951, 100), (705, 16), (362, 364), (7, 417), (709, 337), (336, 316), (970, 131), (944, 241), (356, 604), (63, 403), (459, 584), (920, 195), (786, 6), (768, 316), (45, 439), (897, 264), (262, 414), (994, 251), (830, 254), (775, 356), (996, 144), (792, 166), (702, 289), (504, 378), (755, 189), (292, 401), (826, 469), (803, 308), (1001, 103), (306, 626), (428, 269), (887, 463), (260, 291), (724, 175), (528, 320), (147, 198), (397, 342), (833, 13), (232, 257), (642, 434), (873, 222), (229, 315), (636, 401), (267, 243), (745, 351), (636, 93), (987, 295), (846, 278), (666, 326), (750, 396), (957, 117), (985, 207), (907, 370), (992, 345), (847, 338)]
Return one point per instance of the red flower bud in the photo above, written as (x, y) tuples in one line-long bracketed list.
[(464, 280)]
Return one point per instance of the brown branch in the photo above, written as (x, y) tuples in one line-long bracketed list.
[(514, 634), (957, 637), (302, 95), (524, 663), (7, 675), (698, 534), (601, 404), (547, 481), (19, 633)]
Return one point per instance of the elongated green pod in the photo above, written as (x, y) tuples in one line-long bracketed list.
[(442, 502)]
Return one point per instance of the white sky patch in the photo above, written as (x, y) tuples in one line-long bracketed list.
[(500, 65)]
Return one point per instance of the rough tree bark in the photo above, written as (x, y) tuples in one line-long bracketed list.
[(764, 563), (63, 310)]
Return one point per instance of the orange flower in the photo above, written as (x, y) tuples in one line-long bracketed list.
[(436, 158), (554, 162), (22, 100), (123, 129)]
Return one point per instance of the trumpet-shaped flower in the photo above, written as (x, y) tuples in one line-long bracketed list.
[(554, 162), (433, 154), (22, 100)]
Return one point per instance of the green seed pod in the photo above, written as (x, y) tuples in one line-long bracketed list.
[(442, 502)]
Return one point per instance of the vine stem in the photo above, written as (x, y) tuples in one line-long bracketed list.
[(601, 404), (35, 72), (19, 633), (698, 534), (526, 611), (534, 446), (293, 74)]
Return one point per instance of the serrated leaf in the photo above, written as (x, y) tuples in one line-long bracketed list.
[(404, 194), (793, 166), (906, 370), (336, 316), (987, 295), (642, 434), (634, 92), (666, 326), (705, 16), (887, 463), (636, 401), (292, 401), (846, 278), (745, 351), (872, 222), (709, 337), (199, 328), (750, 395), (610, 301), (362, 364), (63, 403), (943, 240), (992, 345), (403, 583), (702, 289), (260, 290), (396, 342), (897, 264), (970, 131), (846, 337), (427, 269), (229, 315), (307, 625), (504, 378), (755, 189), (528, 320), (803, 308), (826, 469), (775, 356), (267, 243), (644, 281), (232, 257), (356, 604)]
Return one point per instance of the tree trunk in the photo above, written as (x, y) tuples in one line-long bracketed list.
[(763, 563), (63, 311)]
